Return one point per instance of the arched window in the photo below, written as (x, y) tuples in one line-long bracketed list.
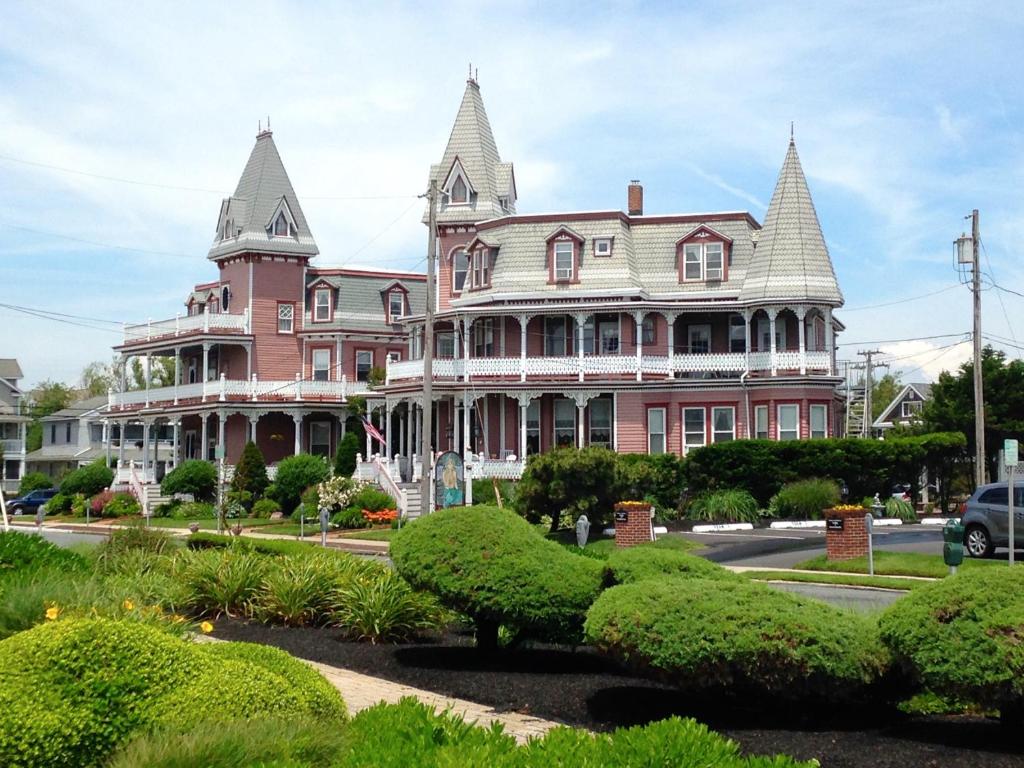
[(281, 226), (460, 266), (225, 298), (460, 192)]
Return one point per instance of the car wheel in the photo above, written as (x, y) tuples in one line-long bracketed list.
[(977, 542), (15, 509)]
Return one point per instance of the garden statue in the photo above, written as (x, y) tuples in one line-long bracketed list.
[(582, 531), (449, 486)]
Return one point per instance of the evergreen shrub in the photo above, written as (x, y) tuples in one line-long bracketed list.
[(345, 456), (88, 480), (250, 473), (294, 475), (568, 481), (195, 477), (265, 508), (493, 566), (632, 564)]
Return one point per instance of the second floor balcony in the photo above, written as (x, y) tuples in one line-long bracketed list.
[(225, 389), (12, 447), (185, 325)]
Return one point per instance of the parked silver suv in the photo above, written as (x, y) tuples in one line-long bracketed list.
[(985, 519)]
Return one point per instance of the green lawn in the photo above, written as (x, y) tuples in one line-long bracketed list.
[(884, 582), (895, 564), (373, 534), (601, 548), (205, 524)]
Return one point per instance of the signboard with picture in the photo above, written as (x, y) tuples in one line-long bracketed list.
[(449, 478)]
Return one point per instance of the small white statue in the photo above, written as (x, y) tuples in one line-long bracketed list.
[(582, 531)]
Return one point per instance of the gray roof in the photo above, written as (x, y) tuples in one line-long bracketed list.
[(472, 144), (791, 260), (262, 189), (359, 303), (78, 409), (923, 389), (9, 369)]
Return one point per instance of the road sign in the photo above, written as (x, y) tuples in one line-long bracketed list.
[(218, 452), (1010, 452)]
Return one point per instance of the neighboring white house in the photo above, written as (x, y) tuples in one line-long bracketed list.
[(13, 425), (904, 408)]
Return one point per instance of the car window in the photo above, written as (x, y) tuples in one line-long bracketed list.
[(996, 496)]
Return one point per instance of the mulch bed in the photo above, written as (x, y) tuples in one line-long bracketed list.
[(582, 689)]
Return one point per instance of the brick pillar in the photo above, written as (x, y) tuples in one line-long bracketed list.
[(633, 526), (846, 535)]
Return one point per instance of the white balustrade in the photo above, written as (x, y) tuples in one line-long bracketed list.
[(787, 359), (178, 326), (760, 361), (710, 362), (247, 389), (817, 361), (12, 447)]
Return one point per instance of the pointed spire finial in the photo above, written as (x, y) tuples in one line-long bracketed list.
[(268, 122), (791, 140)]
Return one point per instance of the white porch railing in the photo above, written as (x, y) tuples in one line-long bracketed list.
[(507, 469), (177, 326), (250, 389), (12, 448)]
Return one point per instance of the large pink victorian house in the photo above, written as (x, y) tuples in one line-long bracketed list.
[(273, 348), (642, 333)]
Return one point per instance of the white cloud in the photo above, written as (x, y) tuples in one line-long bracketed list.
[(925, 360)]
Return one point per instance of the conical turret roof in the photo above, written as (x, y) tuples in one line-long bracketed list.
[(264, 192), (791, 260), (473, 153)]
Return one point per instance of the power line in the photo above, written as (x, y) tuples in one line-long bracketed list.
[(95, 243), (901, 301), (999, 295), (896, 341)]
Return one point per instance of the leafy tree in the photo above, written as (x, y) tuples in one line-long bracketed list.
[(97, 377), (951, 407), (161, 373), (576, 481), (88, 480), (345, 457), (883, 392), (48, 397), (251, 472), (33, 481), (196, 477), (294, 475)]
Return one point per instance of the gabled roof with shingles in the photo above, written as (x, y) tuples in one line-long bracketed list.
[(78, 409), (472, 144), (361, 296), (9, 369), (791, 261), (249, 212)]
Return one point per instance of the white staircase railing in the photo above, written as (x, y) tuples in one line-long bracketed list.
[(390, 486)]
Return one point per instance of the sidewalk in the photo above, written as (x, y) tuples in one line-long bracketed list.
[(744, 568)]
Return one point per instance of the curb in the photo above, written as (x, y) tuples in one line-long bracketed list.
[(712, 528)]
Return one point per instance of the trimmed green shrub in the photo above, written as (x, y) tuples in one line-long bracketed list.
[(121, 505), (350, 517), (195, 477), (88, 480), (265, 508), (632, 564), (568, 481), (901, 509), (250, 472), (961, 637), (804, 499), (193, 510), (345, 456), (731, 506), (75, 689), (483, 492), (294, 475), (133, 538), (655, 478), (60, 504), (738, 637), (497, 569), (384, 608), (34, 481), (23, 553), (265, 742), (204, 540), (373, 500)]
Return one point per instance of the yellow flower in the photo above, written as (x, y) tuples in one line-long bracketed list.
[(177, 618), (129, 605), (207, 627), (52, 612)]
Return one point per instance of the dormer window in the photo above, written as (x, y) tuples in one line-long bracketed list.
[(322, 305), (603, 246), (227, 232), (564, 261), (396, 305), (460, 268), (281, 226), (481, 273), (703, 256), (459, 194)]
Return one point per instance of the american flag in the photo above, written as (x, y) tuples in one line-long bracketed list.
[(372, 431)]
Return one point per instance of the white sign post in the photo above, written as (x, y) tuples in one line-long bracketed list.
[(1010, 460), (3, 511)]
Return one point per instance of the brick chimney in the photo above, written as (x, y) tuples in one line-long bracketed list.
[(635, 198)]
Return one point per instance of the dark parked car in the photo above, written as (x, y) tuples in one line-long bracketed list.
[(985, 517), (30, 502)]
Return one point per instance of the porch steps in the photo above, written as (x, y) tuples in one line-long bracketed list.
[(413, 500)]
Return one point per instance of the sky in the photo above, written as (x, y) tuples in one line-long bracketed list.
[(906, 117)]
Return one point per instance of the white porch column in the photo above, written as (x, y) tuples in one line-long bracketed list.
[(501, 426), (145, 450), (387, 431), (456, 425), (467, 434), (773, 312), (297, 419), (581, 321), (801, 313), (403, 431), (524, 405), (248, 361), (638, 316), (670, 321), (120, 443), (177, 442), (746, 338), (581, 398), (222, 427), (177, 372), (467, 331), (253, 421), (830, 341), (205, 374), (369, 446), (524, 321), (147, 374), (107, 436), (204, 451)]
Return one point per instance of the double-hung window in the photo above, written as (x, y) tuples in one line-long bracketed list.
[(364, 364), (322, 305), (396, 305), (819, 418), (460, 267), (320, 438), (694, 429), (761, 422), (601, 422), (533, 427), (910, 407), (608, 333), (789, 422), (737, 333), (647, 329), (321, 364), (483, 337), (481, 268), (699, 338), (656, 430), (723, 424), (564, 260), (713, 261), (693, 266), (565, 422), (703, 261)]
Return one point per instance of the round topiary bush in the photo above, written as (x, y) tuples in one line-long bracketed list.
[(491, 565), (963, 636), (195, 477), (626, 566), (88, 480), (75, 689), (739, 638), (294, 475)]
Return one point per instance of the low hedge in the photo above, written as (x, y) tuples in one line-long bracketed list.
[(739, 638), (22, 553), (963, 637), (633, 564), (204, 540), (726, 505), (75, 689), (491, 565)]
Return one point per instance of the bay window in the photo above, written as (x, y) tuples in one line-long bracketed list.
[(789, 422), (694, 429), (656, 430)]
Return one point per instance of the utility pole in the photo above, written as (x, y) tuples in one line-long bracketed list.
[(426, 487), (869, 381), (979, 395)]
